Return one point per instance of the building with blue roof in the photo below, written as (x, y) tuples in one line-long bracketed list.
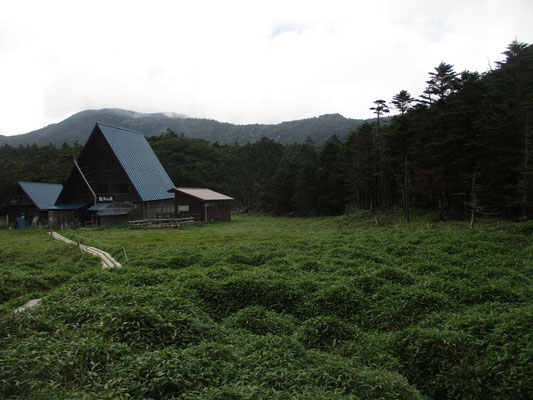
[(32, 201), (115, 167), (117, 177)]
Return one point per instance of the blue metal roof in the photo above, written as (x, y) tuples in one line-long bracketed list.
[(71, 206), (98, 206), (44, 195), (139, 161)]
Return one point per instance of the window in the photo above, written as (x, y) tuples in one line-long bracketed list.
[(183, 208)]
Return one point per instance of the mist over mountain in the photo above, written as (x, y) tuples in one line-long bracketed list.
[(78, 127)]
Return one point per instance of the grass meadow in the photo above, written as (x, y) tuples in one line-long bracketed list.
[(271, 308)]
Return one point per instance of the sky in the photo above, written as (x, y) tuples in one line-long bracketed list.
[(238, 61)]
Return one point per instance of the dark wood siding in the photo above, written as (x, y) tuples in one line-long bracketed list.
[(112, 220), (219, 210), (196, 206), (156, 209), (104, 173), (62, 217)]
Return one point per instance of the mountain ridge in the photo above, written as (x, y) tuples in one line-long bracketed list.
[(78, 127)]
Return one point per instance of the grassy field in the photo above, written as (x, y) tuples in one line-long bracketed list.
[(271, 308)]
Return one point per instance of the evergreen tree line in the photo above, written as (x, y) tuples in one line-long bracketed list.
[(33, 163), (462, 147)]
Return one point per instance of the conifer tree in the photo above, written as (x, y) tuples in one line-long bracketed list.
[(442, 83), (402, 102)]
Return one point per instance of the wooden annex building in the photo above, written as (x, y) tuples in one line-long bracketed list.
[(202, 204), (32, 200), (116, 178)]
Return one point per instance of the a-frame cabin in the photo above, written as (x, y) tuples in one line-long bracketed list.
[(117, 170)]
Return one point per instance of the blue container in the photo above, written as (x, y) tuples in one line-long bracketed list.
[(21, 223)]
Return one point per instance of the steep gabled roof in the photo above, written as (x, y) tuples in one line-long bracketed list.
[(43, 195), (202, 193), (139, 162)]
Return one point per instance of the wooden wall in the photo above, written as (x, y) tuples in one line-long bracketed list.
[(216, 210), (62, 217), (156, 209), (104, 173), (196, 206), (112, 220)]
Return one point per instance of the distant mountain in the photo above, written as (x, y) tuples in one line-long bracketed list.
[(78, 127)]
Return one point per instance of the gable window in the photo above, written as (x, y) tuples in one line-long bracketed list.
[(183, 208)]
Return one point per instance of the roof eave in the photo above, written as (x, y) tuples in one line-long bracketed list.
[(175, 190)]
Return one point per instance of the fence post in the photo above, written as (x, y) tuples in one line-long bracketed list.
[(125, 255)]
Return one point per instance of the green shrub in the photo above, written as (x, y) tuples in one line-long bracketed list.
[(170, 373), (484, 352), (364, 382), (316, 308), (341, 300), (323, 332), (236, 292), (148, 327), (396, 275), (258, 320), (183, 259), (394, 309), (491, 292), (369, 284), (434, 359)]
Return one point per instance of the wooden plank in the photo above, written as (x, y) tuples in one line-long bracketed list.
[(107, 260)]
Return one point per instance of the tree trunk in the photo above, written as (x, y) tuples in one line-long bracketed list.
[(406, 189), (441, 208), (474, 202), (526, 154)]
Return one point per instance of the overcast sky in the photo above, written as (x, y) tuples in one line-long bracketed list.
[(238, 61)]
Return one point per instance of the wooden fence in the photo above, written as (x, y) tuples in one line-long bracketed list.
[(161, 223)]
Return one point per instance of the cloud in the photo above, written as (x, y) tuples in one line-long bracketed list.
[(282, 28), (238, 61)]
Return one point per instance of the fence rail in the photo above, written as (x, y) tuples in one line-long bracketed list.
[(161, 223)]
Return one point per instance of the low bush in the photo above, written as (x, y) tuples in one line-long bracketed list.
[(223, 297), (323, 332), (274, 308), (260, 321)]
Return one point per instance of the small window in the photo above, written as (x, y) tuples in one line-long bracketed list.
[(183, 208)]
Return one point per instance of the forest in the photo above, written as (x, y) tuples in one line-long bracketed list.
[(461, 148)]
